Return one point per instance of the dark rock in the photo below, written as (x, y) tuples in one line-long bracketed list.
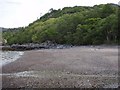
[(31, 46)]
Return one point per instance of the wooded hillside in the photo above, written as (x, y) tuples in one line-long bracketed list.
[(77, 25)]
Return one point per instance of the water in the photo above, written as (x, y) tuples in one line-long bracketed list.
[(9, 56)]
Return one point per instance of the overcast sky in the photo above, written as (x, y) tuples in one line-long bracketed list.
[(17, 13)]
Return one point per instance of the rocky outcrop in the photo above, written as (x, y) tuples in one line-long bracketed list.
[(32, 46)]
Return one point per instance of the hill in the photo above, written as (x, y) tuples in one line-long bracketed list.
[(77, 25)]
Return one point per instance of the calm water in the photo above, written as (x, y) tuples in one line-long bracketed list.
[(9, 56)]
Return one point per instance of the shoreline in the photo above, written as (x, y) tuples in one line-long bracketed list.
[(71, 67), (10, 56), (27, 47), (34, 46)]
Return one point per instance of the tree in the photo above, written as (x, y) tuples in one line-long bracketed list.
[(106, 11)]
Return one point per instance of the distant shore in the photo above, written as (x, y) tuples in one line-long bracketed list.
[(80, 67)]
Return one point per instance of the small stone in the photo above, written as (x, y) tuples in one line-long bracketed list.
[(59, 76), (68, 72)]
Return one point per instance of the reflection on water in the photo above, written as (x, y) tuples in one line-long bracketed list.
[(9, 56)]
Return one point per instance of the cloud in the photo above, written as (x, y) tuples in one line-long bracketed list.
[(9, 2)]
